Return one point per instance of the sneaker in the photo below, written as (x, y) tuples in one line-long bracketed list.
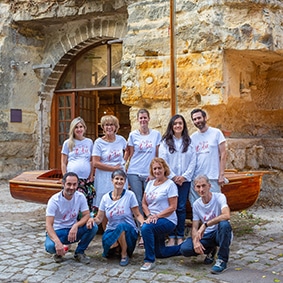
[(124, 261), (219, 266), (57, 258), (82, 258), (147, 266), (209, 259)]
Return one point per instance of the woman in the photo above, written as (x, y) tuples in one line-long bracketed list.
[(176, 149), (119, 206), (107, 156), (143, 147), (159, 204), (76, 157)]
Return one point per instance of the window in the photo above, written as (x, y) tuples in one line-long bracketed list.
[(98, 67)]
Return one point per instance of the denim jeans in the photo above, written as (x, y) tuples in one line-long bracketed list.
[(137, 184), (221, 237), (84, 237), (154, 240), (183, 192)]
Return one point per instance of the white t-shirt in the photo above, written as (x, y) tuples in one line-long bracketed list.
[(144, 151), (110, 153), (206, 212), (180, 163), (79, 158), (157, 197), (208, 156), (120, 210), (65, 212)]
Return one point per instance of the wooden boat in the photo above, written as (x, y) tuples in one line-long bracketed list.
[(242, 191), (36, 186)]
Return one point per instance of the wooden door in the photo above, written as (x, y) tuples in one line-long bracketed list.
[(66, 107), (62, 113)]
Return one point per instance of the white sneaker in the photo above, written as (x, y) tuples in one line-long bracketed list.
[(147, 266)]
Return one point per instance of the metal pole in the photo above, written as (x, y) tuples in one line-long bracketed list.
[(172, 59)]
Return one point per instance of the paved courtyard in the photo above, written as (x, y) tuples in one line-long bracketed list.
[(256, 257)]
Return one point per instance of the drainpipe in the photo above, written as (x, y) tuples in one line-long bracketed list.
[(41, 127)]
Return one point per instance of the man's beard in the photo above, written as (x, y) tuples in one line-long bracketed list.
[(200, 125)]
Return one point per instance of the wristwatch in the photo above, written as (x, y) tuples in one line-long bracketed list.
[(205, 224)]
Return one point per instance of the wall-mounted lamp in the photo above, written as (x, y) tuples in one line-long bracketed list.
[(42, 66), (119, 40)]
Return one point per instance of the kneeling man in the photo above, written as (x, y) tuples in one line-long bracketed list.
[(211, 226), (62, 224)]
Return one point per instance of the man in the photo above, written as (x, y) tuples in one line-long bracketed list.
[(62, 225), (210, 228), (210, 146)]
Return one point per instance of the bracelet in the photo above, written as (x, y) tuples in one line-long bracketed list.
[(149, 215)]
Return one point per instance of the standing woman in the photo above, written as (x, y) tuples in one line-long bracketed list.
[(142, 148), (76, 157), (119, 206), (107, 156), (159, 204), (176, 149)]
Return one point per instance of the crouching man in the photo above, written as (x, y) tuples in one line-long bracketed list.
[(211, 227), (62, 225)]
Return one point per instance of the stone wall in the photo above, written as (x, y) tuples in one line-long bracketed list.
[(228, 58)]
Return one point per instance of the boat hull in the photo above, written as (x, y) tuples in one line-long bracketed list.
[(241, 192), (36, 186)]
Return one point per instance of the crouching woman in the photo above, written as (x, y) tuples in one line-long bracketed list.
[(119, 206)]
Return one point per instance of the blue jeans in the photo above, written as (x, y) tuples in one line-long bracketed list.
[(221, 237), (154, 235), (183, 192), (137, 184), (84, 237)]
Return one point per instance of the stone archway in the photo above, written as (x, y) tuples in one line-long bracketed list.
[(59, 56)]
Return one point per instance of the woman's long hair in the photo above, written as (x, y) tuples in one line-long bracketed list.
[(168, 135), (71, 142)]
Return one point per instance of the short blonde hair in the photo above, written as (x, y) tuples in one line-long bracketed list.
[(163, 163), (111, 119)]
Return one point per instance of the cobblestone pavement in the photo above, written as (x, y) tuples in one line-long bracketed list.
[(253, 258)]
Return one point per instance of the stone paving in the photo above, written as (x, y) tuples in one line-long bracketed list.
[(253, 258)]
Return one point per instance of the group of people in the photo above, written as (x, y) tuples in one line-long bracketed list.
[(160, 172)]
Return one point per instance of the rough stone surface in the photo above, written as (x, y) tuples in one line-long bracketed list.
[(228, 59), (256, 257)]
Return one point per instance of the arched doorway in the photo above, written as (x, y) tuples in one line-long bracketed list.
[(90, 87)]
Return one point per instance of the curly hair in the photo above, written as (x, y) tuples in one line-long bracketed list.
[(111, 119)]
